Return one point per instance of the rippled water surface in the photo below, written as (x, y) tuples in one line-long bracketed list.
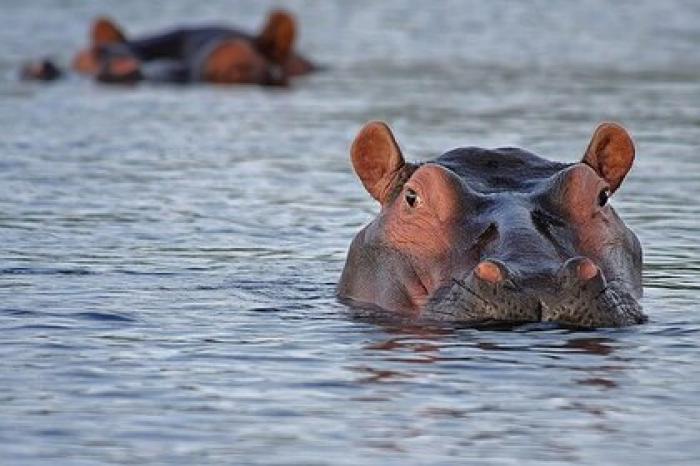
[(168, 255)]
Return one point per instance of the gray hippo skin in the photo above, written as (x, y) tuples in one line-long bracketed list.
[(496, 236)]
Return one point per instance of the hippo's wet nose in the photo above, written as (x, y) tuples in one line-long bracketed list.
[(491, 271), (581, 272)]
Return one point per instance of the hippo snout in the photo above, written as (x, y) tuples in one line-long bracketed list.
[(576, 295)]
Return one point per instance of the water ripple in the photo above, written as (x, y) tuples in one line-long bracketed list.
[(169, 254)]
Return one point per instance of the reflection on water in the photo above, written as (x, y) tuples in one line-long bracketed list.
[(499, 387), (169, 255)]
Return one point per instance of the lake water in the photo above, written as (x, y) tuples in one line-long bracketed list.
[(168, 255)]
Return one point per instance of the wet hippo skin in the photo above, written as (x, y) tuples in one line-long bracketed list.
[(496, 236)]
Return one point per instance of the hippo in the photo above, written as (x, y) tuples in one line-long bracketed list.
[(214, 54), (496, 236), (41, 70)]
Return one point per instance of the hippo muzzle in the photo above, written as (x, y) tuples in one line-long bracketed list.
[(577, 296)]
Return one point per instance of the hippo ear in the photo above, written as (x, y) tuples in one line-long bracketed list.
[(376, 158), (105, 31), (276, 40), (610, 153)]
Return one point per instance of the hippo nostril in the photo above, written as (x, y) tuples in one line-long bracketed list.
[(581, 271), (586, 269), (489, 271)]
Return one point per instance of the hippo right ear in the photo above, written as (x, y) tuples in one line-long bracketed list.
[(376, 158), (610, 153), (105, 31), (276, 40)]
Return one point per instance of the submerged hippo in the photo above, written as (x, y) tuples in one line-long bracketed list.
[(215, 54), (486, 236)]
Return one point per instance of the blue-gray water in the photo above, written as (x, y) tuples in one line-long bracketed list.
[(168, 255)]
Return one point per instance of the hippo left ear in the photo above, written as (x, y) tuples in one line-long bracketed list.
[(610, 153), (105, 31), (376, 158)]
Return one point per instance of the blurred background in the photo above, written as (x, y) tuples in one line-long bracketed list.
[(168, 254)]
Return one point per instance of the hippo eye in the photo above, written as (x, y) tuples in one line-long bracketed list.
[(603, 197), (411, 197)]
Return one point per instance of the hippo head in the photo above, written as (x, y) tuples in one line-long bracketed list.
[(103, 33), (496, 236)]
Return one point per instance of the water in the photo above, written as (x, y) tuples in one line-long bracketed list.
[(168, 255)]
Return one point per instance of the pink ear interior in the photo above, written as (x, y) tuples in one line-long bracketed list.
[(376, 158), (105, 31), (610, 153)]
